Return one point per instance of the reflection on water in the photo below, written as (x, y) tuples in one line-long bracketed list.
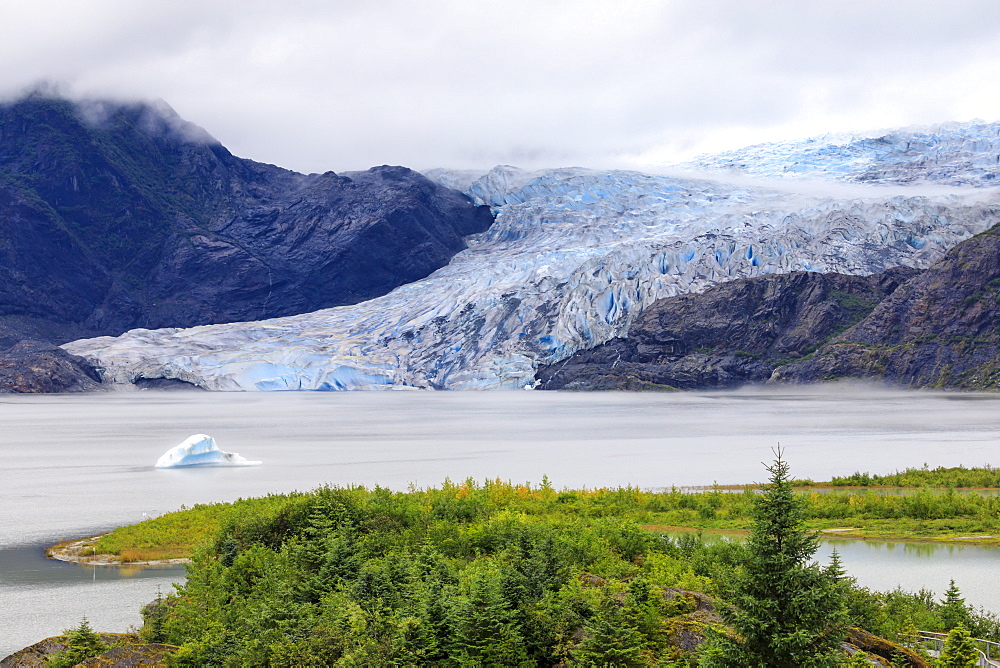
[(78, 465), (884, 565), (915, 550), (913, 566), (26, 566), (43, 597)]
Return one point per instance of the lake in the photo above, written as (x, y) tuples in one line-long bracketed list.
[(76, 465)]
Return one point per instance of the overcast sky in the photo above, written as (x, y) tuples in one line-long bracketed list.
[(326, 84)]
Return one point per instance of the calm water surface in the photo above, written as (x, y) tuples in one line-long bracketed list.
[(78, 465)]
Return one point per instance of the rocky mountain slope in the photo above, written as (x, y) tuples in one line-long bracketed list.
[(731, 334), (115, 216), (940, 329), (574, 256), (40, 367)]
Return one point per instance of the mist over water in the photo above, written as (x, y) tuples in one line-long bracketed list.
[(76, 465)]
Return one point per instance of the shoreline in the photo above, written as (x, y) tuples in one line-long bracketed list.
[(74, 551)]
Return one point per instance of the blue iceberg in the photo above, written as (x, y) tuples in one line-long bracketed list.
[(200, 450)]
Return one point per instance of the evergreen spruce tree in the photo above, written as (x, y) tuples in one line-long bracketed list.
[(784, 610), (484, 633), (431, 594), (953, 610), (83, 642), (959, 650), (612, 640), (835, 569), (154, 617)]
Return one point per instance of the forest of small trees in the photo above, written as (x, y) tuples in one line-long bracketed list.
[(496, 574)]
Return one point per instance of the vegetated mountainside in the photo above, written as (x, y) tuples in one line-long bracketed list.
[(574, 256), (730, 334), (940, 329), (116, 216)]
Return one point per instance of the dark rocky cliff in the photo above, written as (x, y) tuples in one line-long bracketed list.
[(37, 366), (940, 329), (726, 336), (120, 216)]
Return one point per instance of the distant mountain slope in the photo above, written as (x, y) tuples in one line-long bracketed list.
[(940, 329), (115, 216), (729, 335), (573, 257)]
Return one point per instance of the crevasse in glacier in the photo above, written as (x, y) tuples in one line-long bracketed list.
[(573, 256)]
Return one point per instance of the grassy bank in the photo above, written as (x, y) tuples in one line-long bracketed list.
[(176, 535), (985, 477), (924, 513)]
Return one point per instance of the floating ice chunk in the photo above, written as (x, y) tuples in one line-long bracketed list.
[(200, 450)]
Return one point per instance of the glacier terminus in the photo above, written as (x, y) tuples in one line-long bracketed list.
[(575, 254)]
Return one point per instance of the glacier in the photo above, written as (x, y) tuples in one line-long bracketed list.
[(949, 154), (574, 255), (200, 450)]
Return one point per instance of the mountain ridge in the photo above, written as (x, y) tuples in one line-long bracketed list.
[(115, 216), (938, 330), (731, 334)]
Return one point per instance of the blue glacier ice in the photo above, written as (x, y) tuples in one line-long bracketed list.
[(200, 450), (576, 254), (952, 154)]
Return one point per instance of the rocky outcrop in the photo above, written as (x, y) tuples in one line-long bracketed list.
[(728, 335), (127, 650), (117, 216), (941, 329), (891, 653), (693, 612), (37, 366)]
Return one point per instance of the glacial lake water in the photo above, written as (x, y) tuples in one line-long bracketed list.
[(77, 465)]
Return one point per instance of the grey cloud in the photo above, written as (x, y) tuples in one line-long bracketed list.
[(343, 85)]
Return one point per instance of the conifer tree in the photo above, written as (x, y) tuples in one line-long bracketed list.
[(959, 650), (83, 642), (784, 610), (835, 569), (482, 623), (431, 592), (953, 610), (612, 640)]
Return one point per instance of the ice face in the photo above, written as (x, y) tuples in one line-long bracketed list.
[(200, 450), (573, 256)]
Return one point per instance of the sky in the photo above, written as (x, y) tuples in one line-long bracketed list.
[(333, 85)]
